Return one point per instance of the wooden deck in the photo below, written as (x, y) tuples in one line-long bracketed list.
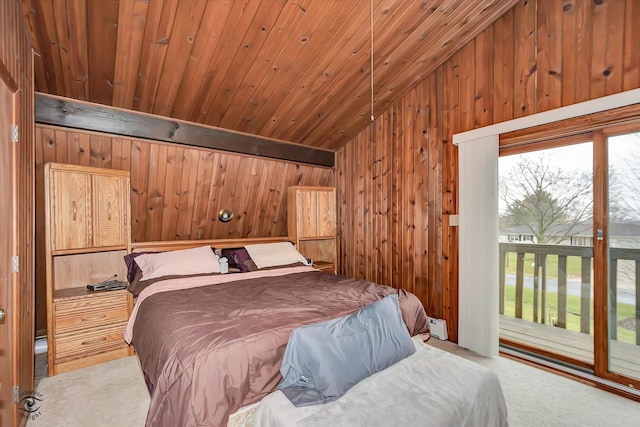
[(624, 358)]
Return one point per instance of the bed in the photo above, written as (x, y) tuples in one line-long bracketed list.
[(211, 344)]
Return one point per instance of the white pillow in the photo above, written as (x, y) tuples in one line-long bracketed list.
[(200, 260), (274, 254)]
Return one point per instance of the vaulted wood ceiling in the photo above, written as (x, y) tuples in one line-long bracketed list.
[(296, 70)]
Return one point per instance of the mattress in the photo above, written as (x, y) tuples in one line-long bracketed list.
[(243, 417), (430, 387)]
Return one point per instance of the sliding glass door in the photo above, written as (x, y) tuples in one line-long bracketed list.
[(546, 251), (623, 238), (570, 251)]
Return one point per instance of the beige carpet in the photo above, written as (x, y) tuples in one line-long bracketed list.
[(114, 395), (539, 398)]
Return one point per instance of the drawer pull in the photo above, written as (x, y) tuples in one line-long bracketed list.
[(75, 209), (89, 319), (94, 341)]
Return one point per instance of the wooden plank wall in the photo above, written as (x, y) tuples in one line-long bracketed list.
[(177, 191), (16, 66), (397, 180)]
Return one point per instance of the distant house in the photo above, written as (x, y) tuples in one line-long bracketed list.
[(621, 234), (516, 234)]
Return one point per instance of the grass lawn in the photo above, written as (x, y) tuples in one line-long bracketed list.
[(573, 311), (574, 264)]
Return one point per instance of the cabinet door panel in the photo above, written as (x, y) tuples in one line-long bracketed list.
[(326, 205), (71, 211), (109, 215), (307, 214)]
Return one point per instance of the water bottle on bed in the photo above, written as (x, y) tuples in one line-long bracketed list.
[(224, 265)]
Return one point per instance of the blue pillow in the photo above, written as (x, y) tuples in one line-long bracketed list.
[(324, 360)]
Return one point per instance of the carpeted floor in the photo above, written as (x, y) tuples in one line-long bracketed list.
[(113, 394), (539, 398)]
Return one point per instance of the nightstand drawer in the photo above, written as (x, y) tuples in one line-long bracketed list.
[(98, 340), (76, 315)]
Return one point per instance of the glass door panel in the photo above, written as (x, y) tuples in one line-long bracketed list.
[(546, 252), (624, 254)]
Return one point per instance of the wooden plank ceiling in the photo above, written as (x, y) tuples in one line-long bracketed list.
[(295, 70)]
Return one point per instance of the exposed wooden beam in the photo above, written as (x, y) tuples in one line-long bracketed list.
[(59, 111)]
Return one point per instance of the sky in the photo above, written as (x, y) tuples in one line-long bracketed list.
[(572, 157), (579, 157)]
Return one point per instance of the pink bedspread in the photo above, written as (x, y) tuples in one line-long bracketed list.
[(210, 349)]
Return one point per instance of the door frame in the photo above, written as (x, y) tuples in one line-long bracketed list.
[(600, 255), (601, 251), (20, 211), (10, 332)]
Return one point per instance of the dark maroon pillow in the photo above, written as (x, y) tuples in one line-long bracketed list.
[(243, 260)]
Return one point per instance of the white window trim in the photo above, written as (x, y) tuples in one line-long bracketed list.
[(478, 217)]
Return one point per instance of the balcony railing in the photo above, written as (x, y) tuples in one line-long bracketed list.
[(541, 278)]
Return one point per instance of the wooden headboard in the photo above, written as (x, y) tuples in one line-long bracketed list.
[(161, 246)]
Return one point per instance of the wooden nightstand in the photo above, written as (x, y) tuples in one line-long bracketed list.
[(87, 234), (87, 327), (325, 266)]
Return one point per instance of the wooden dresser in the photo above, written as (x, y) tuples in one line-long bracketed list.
[(311, 223), (87, 234)]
